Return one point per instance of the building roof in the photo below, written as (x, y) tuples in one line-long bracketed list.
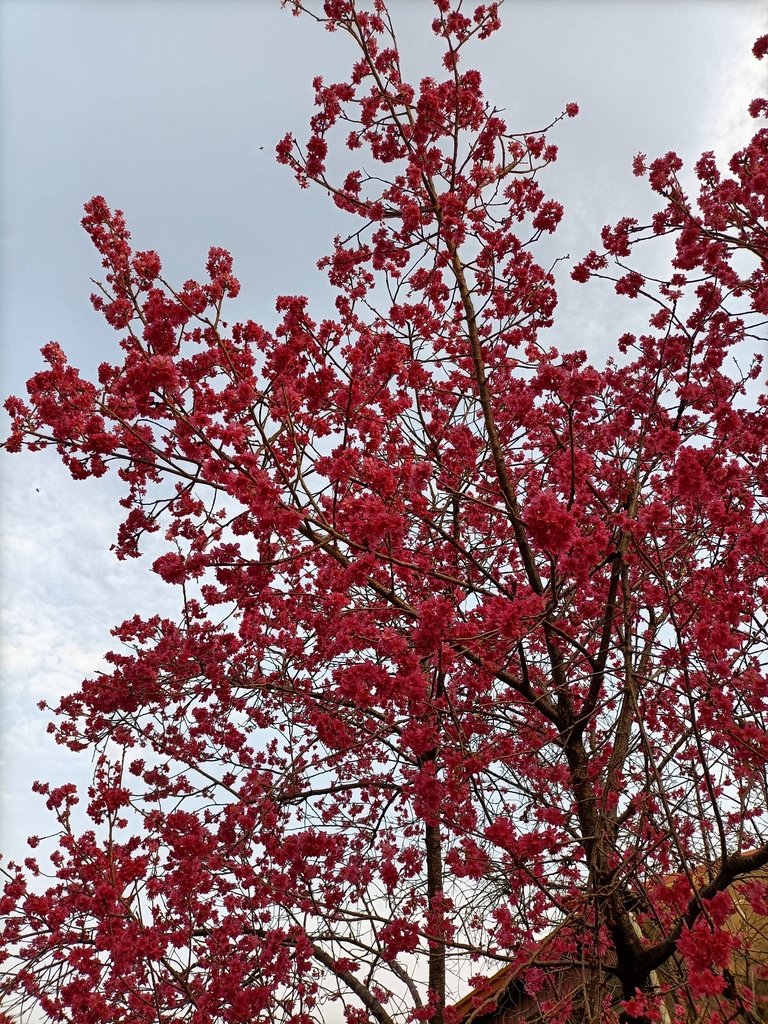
[(483, 999)]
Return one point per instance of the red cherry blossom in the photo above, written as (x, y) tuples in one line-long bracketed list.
[(470, 662)]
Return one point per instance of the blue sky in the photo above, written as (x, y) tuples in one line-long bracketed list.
[(171, 110)]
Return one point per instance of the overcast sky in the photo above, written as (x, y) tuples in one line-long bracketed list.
[(171, 109)]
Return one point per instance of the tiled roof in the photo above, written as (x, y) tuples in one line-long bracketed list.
[(484, 999)]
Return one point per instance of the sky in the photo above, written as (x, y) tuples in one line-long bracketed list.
[(171, 109)]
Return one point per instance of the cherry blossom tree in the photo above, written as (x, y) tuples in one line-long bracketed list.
[(470, 667)]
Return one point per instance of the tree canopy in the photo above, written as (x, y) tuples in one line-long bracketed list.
[(472, 640)]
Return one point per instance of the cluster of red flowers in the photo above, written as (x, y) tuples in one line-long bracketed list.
[(473, 633)]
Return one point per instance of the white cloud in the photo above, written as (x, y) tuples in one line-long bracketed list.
[(739, 79), (62, 591)]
